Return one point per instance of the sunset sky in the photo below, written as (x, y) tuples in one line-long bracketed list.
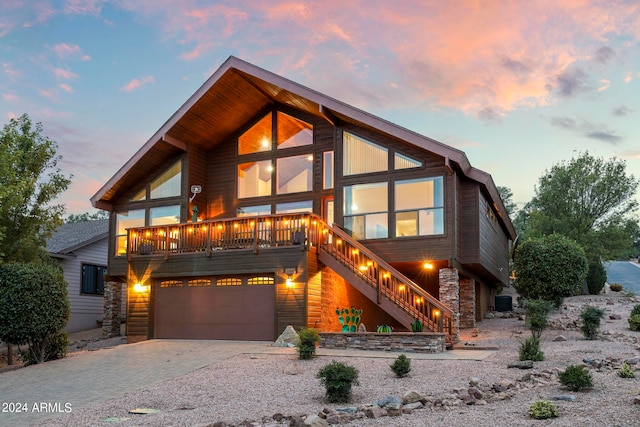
[(517, 85)]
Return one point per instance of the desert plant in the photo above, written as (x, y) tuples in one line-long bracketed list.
[(537, 312), (596, 276), (591, 317), (417, 326), (616, 287), (349, 318), (401, 366), (576, 377), (635, 310), (549, 268), (307, 343), (530, 350), (543, 409), (634, 322), (338, 378), (625, 371), (384, 329)]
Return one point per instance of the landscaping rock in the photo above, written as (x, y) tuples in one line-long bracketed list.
[(288, 338), (522, 364)]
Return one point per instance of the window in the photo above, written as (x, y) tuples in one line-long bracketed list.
[(124, 220), (229, 281), (199, 282), (419, 206), (164, 215), (327, 170), (294, 207), (362, 156), (366, 210), (293, 132), (254, 179), (404, 162), (258, 138), (294, 174), (93, 279), (168, 184), (140, 196), (260, 280), (254, 210), (171, 283)]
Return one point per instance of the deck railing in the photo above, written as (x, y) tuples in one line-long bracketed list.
[(303, 230)]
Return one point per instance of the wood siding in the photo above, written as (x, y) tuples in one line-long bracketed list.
[(314, 290), (494, 245)]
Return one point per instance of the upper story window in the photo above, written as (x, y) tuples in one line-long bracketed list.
[(293, 132), (168, 184), (362, 156), (294, 174), (366, 210), (258, 138), (419, 206), (327, 170), (254, 179), (404, 162), (124, 220)]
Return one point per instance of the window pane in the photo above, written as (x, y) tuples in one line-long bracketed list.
[(365, 198), (362, 156), (407, 224), (377, 226), (140, 196), (257, 138), (124, 220), (419, 194), (295, 174), (293, 132), (168, 184), (254, 210), (254, 179), (327, 170), (431, 222), (293, 207), (355, 224), (165, 215), (404, 162)]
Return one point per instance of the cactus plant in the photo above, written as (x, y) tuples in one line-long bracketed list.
[(384, 329), (417, 326), (349, 318)]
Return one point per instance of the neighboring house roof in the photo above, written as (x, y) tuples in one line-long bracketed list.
[(233, 95), (75, 235)]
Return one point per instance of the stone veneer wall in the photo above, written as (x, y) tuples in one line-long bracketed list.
[(467, 303), (403, 342), (111, 311), (450, 296)]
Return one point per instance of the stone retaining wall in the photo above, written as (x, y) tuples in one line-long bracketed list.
[(402, 342)]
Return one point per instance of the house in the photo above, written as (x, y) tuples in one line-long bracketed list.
[(262, 203), (80, 248)]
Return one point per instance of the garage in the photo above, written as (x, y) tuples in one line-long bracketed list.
[(215, 308)]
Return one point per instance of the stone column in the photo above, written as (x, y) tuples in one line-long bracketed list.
[(450, 296), (467, 303), (112, 309)]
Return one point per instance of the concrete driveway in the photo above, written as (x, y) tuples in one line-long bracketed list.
[(44, 391)]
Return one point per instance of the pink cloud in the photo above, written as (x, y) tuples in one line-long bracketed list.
[(628, 77), (9, 70), (10, 97), (45, 93), (85, 58), (137, 83), (65, 50), (83, 7), (64, 74), (66, 87)]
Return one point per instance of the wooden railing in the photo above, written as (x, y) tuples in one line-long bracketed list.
[(303, 230)]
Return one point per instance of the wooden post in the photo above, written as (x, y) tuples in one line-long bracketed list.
[(9, 354)]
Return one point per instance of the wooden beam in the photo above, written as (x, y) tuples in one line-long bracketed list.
[(174, 141), (328, 115)]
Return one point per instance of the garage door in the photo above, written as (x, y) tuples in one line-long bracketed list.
[(215, 308)]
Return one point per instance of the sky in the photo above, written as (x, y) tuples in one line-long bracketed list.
[(519, 86)]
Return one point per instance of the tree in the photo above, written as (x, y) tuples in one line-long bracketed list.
[(29, 181), (25, 291), (549, 268), (507, 200), (86, 216)]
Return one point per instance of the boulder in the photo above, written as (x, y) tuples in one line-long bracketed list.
[(288, 338)]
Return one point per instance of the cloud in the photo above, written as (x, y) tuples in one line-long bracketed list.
[(622, 111), (85, 58), (604, 54), (571, 83), (10, 97), (604, 135), (604, 85), (137, 83), (65, 50), (563, 122), (630, 154), (597, 131), (66, 87), (9, 70), (628, 77), (83, 7), (64, 73)]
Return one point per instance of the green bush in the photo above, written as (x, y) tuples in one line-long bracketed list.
[(635, 310), (25, 289), (591, 317), (549, 268), (634, 322), (338, 378), (576, 377), (596, 277), (616, 287), (625, 371), (537, 312), (543, 409), (530, 350), (307, 343), (401, 366), (53, 348)]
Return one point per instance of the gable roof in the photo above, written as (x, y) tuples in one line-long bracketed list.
[(233, 95), (75, 235)]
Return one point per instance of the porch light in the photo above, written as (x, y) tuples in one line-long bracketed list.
[(363, 268), (139, 287), (436, 313), (428, 266), (419, 300), (290, 272), (289, 282), (401, 288)]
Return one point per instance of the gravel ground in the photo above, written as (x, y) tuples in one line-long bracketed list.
[(254, 388)]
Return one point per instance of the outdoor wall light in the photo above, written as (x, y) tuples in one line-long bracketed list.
[(139, 287), (290, 272), (436, 313), (428, 266)]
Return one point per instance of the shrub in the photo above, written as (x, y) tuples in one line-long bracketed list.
[(417, 326), (24, 290), (543, 409), (536, 316), (626, 371), (384, 329), (616, 287), (575, 377), (549, 268), (635, 310), (401, 366), (634, 322), (53, 348), (337, 379), (591, 317), (596, 277), (530, 350), (307, 343)]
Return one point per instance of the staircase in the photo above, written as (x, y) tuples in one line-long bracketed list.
[(396, 294)]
